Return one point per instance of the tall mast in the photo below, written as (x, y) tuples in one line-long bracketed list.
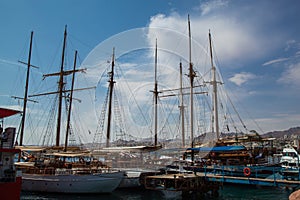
[(111, 86), (215, 117), (191, 76), (181, 106), (26, 91), (155, 97), (70, 106), (60, 89)]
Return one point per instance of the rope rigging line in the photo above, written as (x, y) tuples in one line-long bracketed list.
[(119, 112), (237, 112), (118, 125), (100, 128), (168, 116), (50, 124), (133, 96)]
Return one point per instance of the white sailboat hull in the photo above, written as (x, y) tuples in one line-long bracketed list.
[(131, 180), (132, 177), (98, 183)]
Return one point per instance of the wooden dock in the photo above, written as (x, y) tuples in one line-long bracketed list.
[(208, 183), (272, 182), (184, 184)]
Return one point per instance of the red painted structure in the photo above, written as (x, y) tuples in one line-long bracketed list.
[(10, 179)]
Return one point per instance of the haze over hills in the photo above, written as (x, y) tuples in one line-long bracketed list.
[(280, 134), (276, 134), (294, 131)]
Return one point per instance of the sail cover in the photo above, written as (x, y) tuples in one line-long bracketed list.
[(4, 112), (219, 148)]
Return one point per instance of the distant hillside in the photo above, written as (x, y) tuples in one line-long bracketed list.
[(148, 141), (275, 134), (280, 134)]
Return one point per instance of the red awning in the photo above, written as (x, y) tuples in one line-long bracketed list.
[(4, 112)]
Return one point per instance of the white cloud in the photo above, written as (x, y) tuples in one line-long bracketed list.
[(275, 61), (234, 40), (210, 6), (277, 122), (242, 78), (291, 75), (290, 44), (9, 62)]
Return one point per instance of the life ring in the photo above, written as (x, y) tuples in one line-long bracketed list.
[(247, 171)]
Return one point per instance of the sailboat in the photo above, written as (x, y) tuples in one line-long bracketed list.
[(217, 149), (130, 158), (107, 116), (65, 169), (194, 149), (227, 156)]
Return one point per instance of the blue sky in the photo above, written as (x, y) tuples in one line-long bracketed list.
[(257, 45)]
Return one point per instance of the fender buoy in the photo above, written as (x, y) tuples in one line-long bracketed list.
[(247, 171)]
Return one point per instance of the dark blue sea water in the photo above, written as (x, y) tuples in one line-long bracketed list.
[(226, 193)]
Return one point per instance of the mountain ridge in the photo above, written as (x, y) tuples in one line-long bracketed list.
[(279, 134)]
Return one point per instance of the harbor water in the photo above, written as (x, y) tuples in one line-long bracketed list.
[(228, 192)]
